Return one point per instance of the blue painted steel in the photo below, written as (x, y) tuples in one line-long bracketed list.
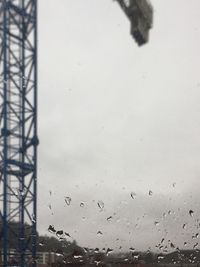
[(18, 132)]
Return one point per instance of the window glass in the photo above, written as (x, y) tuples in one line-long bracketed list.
[(119, 135)]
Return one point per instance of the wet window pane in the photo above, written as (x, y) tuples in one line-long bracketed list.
[(119, 153), (119, 131)]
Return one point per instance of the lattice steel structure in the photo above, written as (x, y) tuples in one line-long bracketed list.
[(18, 131)]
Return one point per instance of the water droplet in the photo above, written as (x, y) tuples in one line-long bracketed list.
[(174, 184), (169, 212), (195, 245), (161, 257), (133, 195), (68, 200), (191, 212), (50, 206), (100, 204), (185, 243), (136, 257), (59, 253), (67, 234), (172, 245), (109, 250), (82, 205), (85, 250), (156, 223), (78, 256), (132, 249), (150, 193), (33, 218), (97, 262), (51, 229), (59, 233), (21, 193), (109, 218), (99, 233), (184, 226), (96, 250), (41, 243)]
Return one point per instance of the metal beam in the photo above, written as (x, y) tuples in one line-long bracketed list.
[(18, 127)]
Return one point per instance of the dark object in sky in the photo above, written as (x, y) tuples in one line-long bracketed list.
[(140, 14)]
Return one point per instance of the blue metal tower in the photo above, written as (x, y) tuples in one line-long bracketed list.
[(18, 131)]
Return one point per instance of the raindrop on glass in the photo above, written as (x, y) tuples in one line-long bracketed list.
[(133, 195), (51, 229), (59, 233), (68, 200), (172, 245), (41, 243), (100, 204), (99, 233), (191, 212), (59, 253), (109, 250), (136, 257), (82, 205), (85, 250), (195, 245), (109, 218), (33, 218), (67, 234), (150, 193), (97, 262), (78, 256)]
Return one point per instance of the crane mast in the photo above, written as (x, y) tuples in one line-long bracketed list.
[(18, 126), (18, 122)]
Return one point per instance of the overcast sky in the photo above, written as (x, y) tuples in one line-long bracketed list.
[(114, 119)]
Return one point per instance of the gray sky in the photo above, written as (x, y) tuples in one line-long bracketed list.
[(115, 118)]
